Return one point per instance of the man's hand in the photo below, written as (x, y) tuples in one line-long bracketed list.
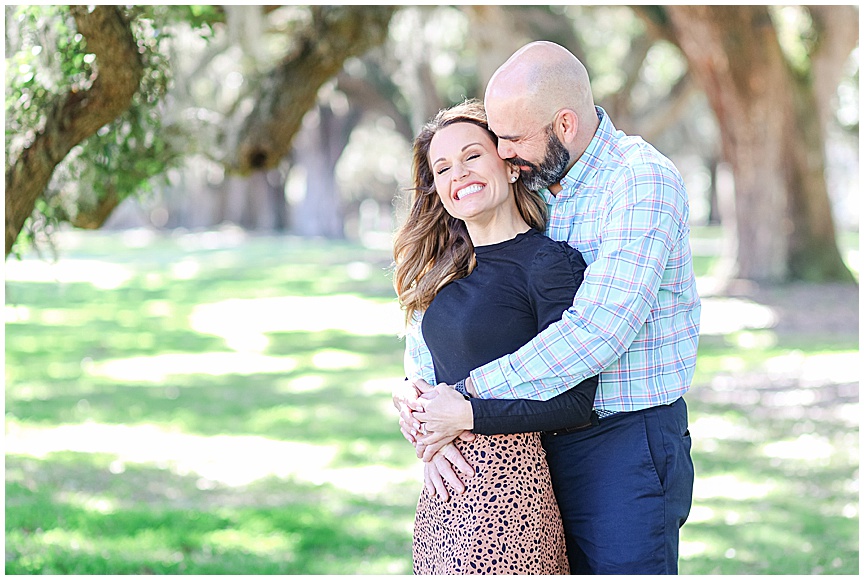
[(469, 386), (440, 469), (445, 411)]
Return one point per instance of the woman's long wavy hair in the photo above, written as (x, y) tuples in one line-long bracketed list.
[(432, 248)]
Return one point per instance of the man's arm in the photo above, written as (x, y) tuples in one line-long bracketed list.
[(639, 230), (418, 360), (418, 365), (421, 378)]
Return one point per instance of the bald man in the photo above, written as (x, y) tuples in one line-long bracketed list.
[(625, 484)]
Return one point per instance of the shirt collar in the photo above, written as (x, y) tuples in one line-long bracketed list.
[(590, 161)]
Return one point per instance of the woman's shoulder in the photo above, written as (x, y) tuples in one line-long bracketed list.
[(555, 274), (556, 267), (551, 253)]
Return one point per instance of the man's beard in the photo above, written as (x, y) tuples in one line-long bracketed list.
[(550, 170)]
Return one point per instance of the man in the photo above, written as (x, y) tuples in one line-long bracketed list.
[(625, 485)]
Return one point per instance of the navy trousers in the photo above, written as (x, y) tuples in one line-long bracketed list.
[(624, 488)]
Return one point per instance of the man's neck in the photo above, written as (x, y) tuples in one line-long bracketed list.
[(556, 188)]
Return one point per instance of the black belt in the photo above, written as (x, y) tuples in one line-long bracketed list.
[(595, 420)]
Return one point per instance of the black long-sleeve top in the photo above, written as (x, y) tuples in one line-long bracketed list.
[(518, 288)]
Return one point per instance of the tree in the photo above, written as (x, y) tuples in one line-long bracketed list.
[(772, 113), (71, 117), (334, 34), (102, 112)]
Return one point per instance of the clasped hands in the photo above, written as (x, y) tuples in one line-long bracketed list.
[(431, 418)]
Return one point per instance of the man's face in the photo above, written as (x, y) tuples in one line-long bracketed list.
[(541, 157), (551, 168)]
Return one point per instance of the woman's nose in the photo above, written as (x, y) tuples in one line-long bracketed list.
[(460, 170)]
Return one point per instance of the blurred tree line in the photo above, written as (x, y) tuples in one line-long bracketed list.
[(300, 118)]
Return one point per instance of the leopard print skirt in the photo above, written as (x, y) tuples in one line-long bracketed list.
[(506, 522)]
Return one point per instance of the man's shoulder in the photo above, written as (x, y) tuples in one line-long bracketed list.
[(634, 161), (633, 151), (624, 151)]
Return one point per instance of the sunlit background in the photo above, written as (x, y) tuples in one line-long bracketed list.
[(202, 386), (220, 401)]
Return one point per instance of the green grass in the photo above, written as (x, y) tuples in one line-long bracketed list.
[(220, 405), (776, 464)]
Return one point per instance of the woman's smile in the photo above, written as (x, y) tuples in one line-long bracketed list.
[(474, 184), (468, 190)]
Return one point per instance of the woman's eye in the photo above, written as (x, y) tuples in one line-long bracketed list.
[(473, 156), (441, 170)]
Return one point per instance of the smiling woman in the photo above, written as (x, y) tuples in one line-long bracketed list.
[(472, 261), (422, 269), (473, 183)]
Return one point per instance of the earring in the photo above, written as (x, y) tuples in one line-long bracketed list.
[(513, 178)]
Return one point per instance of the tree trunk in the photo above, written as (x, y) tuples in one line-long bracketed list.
[(496, 34), (813, 252), (77, 115), (836, 35), (325, 135), (771, 138), (335, 34), (836, 30), (252, 202)]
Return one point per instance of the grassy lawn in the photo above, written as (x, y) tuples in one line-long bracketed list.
[(217, 403)]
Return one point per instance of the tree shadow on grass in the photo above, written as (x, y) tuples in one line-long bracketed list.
[(776, 460), (68, 514)]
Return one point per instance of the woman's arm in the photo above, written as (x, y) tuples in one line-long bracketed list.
[(447, 413), (572, 408), (556, 273)]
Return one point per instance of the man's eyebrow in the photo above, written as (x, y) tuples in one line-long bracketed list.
[(463, 149)]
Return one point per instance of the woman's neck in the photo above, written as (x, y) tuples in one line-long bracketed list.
[(494, 231)]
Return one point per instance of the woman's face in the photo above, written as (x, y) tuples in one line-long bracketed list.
[(472, 181)]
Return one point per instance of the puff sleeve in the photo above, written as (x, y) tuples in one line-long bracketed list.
[(555, 275)]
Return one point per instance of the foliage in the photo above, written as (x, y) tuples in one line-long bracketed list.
[(221, 468), (49, 60)]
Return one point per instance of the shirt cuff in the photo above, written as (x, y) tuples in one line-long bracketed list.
[(491, 382)]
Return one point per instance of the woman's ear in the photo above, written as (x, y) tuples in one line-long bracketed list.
[(513, 173)]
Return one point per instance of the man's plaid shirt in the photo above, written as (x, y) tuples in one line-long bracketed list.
[(635, 319)]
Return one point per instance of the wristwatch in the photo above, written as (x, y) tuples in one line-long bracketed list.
[(460, 388)]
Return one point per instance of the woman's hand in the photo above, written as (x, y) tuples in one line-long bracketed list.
[(405, 399), (445, 411), (440, 468)]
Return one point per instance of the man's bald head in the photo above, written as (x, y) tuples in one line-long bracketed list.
[(539, 104), (545, 77)]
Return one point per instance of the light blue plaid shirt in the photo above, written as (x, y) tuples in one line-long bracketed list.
[(635, 319)]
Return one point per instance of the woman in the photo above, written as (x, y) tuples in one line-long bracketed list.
[(478, 280)]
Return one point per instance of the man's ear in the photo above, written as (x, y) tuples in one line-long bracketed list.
[(567, 125)]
